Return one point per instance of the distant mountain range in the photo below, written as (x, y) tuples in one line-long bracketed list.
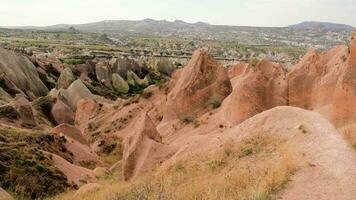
[(147, 25), (323, 26), (320, 35)]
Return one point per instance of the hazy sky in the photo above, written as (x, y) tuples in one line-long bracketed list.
[(233, 12)]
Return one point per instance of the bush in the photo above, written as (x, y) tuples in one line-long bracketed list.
[(8, 111), (44, 106), (214, 101), (186, 119)]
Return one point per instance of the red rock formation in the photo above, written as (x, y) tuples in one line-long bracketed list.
[(70, 131), (326, 82), (25, 111), (200, 80), (142, 148), (258, 86), (77, 144), (86, 108), (62, 114), (352, 48)]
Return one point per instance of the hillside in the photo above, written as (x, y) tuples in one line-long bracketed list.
[(322, 26)]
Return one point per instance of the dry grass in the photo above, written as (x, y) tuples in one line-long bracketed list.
[(254, 170), (350, 135)]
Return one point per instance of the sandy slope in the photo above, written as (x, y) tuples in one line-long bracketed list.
[(327, 165)]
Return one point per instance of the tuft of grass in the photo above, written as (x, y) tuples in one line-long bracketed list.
[(214, 101), (350, 136), (186, 119), (112, 151)]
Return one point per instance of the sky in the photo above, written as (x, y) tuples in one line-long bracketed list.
[(219, 12)]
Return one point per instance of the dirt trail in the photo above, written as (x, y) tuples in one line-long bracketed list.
[(330, 167), (326, 162)]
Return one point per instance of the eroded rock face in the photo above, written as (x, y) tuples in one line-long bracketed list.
[(352, 48), (75, 92), (70, 131), (20, 72), (62, 113), (203, 78), (103, 73), (258, 86), (25, 111), (78, 145), (302, 79), (86, 108), (119, 84), (140, 146), (65, 79), (121, 66), (75, 174), (134, 80), (325, 82)]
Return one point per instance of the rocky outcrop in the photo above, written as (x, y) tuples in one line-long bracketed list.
[(77, 144), (71, 132), (202, 79), (62, 114), (325, 82), (134, 80), (20, 72), (302, 79), (102, 72), (258, 86), (141, 148), (25, 111), (75, 92), (352, 49), (85, 110), (163, 66), (75, 174), (119, 84), (122, 65), (65, 79)]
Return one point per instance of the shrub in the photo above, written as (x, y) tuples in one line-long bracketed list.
[(44, 106), (343, 58), (214, 101), (186, 119), (8, 111)]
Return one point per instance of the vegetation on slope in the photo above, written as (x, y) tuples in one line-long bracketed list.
[(24, 167), (254, 170)]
